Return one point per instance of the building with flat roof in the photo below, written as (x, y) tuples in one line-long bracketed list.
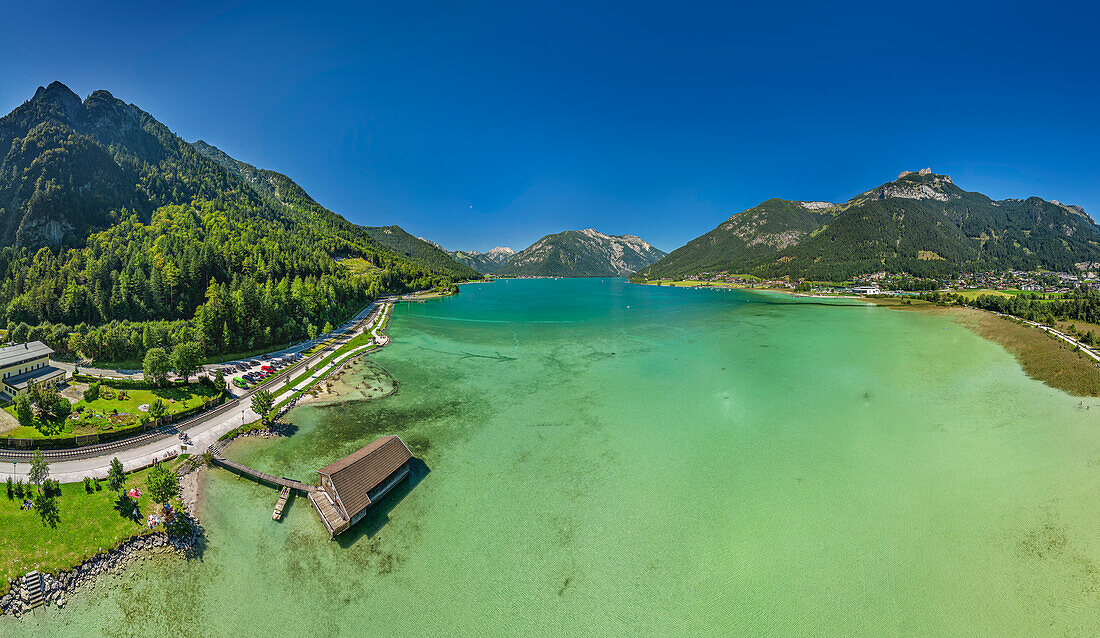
[(350, 486), (24, 363)]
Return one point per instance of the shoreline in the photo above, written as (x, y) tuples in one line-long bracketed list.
[(1042, 355), (59, 586)]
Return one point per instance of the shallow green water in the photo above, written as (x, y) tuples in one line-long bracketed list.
[(610, 459)]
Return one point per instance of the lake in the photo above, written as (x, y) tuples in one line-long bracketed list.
[(601, 458)]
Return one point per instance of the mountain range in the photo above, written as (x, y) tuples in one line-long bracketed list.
[(487, 262), (581, 253), (920, 223)]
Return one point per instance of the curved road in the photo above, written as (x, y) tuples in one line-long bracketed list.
[(203, 432)]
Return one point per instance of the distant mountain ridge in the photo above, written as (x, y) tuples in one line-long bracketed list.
[(582, 253), (487, 262), (920, 223)]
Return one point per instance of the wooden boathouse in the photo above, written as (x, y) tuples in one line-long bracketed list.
[(351, 485)]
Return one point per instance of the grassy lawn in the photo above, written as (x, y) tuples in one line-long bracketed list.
[(970, 295), (120, 364), (1082, 327), (359, 267), (112, 410), (694, 284), (431, 294), (359, 340), (89, 524)]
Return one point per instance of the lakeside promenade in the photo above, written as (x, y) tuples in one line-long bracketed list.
[(204, 432)]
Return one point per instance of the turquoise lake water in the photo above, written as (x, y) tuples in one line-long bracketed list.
[(607, 459)]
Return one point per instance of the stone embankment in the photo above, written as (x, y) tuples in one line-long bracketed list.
[(57, 589)]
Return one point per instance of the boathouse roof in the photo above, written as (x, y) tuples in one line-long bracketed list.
[(355, 475)]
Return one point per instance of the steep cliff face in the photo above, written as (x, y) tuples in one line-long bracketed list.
[(68, 168), (582, 253)]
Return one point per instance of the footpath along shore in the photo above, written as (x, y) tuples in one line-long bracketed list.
[(205, 430)]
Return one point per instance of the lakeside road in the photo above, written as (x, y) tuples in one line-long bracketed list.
[(205, 432)]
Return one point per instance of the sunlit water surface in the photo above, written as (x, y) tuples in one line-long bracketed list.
[(608, 459)]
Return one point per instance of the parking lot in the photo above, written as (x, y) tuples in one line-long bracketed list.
[(248, 373)]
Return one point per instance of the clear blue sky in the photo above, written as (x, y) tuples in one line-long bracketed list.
[(482, 124)]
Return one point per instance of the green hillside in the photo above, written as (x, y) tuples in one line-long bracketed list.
[(921, 223), (281, 191), (419, 251), (115, 229)]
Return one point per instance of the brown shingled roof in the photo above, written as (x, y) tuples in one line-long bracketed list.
[(355, 475)]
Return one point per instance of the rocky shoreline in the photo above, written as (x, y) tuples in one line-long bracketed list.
[(57, 589)]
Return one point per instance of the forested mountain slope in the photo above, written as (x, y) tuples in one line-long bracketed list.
[(921, 223), (116, 229), (280, 191), (421, 251)]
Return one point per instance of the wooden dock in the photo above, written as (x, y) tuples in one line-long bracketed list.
[(332, 520), (284, 494), (258, 476)]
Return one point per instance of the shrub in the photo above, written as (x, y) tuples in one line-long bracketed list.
[(19, 488), (88, 486), (98, 486), (92, 393), (11, 489)]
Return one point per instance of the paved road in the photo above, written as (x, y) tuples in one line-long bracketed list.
[(202, 434)]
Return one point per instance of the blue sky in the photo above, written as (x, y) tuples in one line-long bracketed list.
[(482, 124)]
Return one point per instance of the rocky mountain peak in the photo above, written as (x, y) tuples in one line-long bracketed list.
[(922, 184), (58, 99)]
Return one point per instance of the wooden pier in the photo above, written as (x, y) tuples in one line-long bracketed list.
[(258, 476), (284, 494)]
